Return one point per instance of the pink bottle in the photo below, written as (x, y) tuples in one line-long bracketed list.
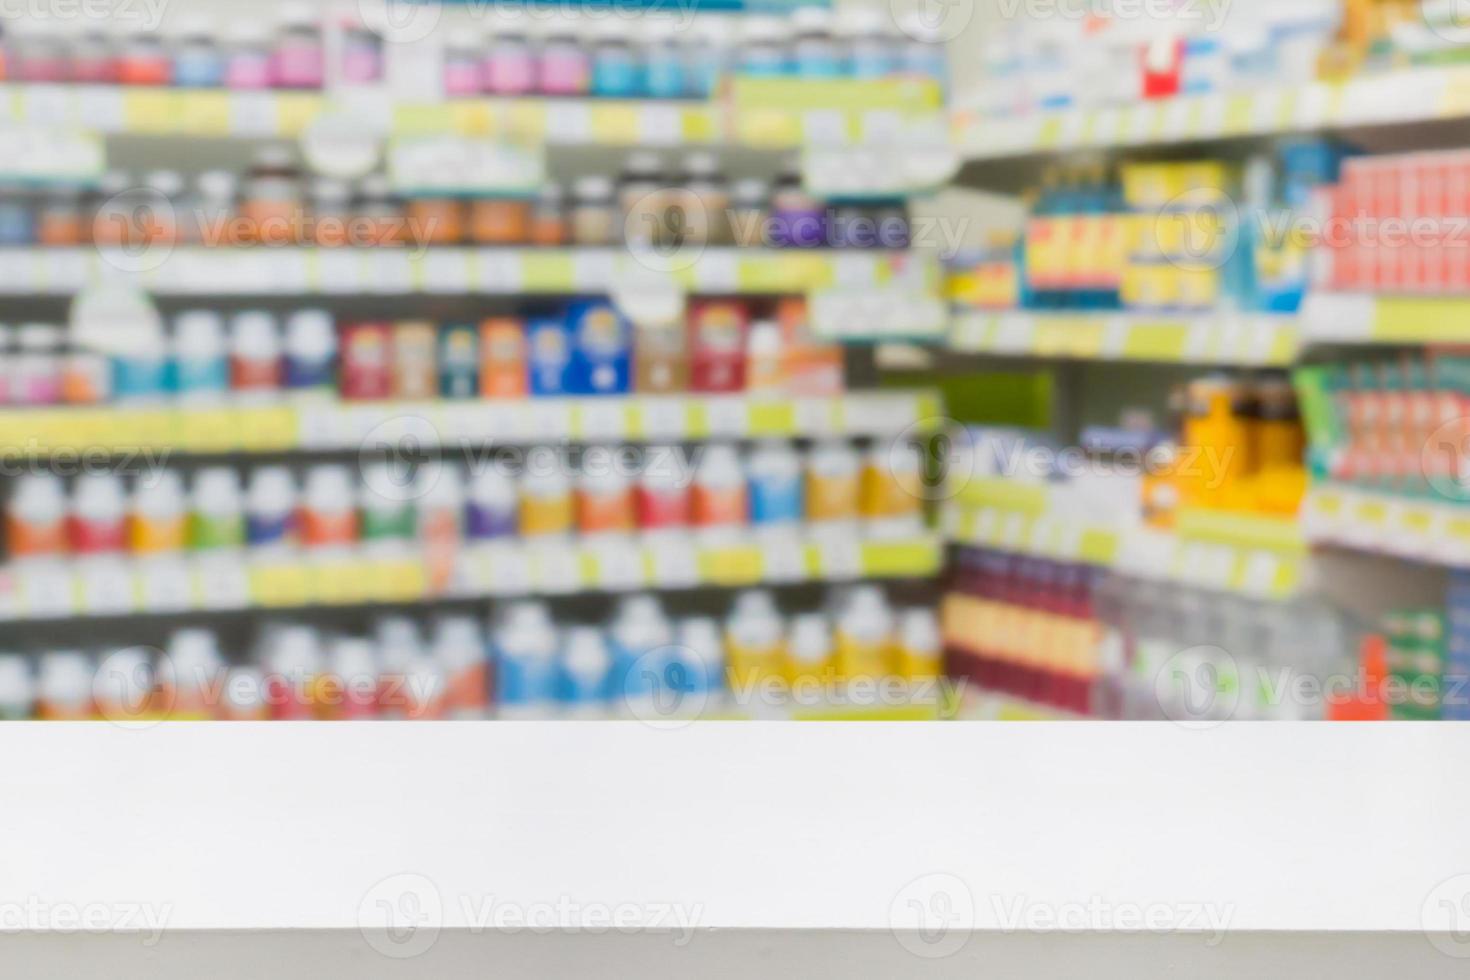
[(298, 61)]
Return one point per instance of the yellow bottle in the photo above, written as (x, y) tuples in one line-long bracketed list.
[(809, 651), (865, 635), (920, 646), (754, 643)]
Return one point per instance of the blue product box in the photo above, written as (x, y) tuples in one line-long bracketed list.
[(602, 348)]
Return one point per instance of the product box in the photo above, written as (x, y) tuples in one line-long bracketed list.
[(602, 348), (502, 358), (549, 349), (415, 361), (367, 373), (717, 330), (661, 360)]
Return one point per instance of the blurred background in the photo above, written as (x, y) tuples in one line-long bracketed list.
[(672, 359)]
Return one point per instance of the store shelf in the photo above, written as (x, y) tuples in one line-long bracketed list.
[(786, 115), (1365, 318), (1387, 99), (41, 589), (1244, 339), (1431, 531), (981, 705), (324, 426), (297, 271), (1263, 557)]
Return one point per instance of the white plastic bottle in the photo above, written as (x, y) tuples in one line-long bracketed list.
[(920, 644), (218, 518), (547, 506), (270, 509), (865, 635), (122, 687), (526, 648), (352, 665), (584, 674), (493, 509), (159, 523), (400, 645), (765, 359), (776, 486), (311, 353), (35, 517), (255, 356), (809, 651), (459, 648), (892, 491), (189, 675), (243, 695), (201, 357), (640, 633), (719, 504), (99, 515), (64, 692), (329, 509), (17, 689), (700, 648), (293, 662), (832, 486), (754, 641)]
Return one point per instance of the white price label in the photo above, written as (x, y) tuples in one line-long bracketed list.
[(784, 558), (253, 114), (568, 122), (842, 557), (165, 585), (661, 125), (446, 270), (728, 418), (338, 270), (389, 271), (500, 271), (507, 569), (223, 581), (619, 563), (107, 586), (664, 418), (47, 589), (675, 561), (558, 566)]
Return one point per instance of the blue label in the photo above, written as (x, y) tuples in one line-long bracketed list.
[(196, 375), (549, 350), (523, 681), (267, 529), (203, 70), (665, 76), (776, 501), (603, 348), (139, 377), (308, 373), (762, 64), (576, 687), (616, 74)]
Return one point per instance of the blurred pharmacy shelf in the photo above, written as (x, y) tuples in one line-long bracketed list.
[(1365, 318), (778, 114), (979, 705), (40, 589), (1391, 98), (298, 271), (1259, 556), (1218, 338), (1435, 532), (320, 426)]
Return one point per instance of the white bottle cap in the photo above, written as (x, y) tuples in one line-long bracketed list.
[(353, 658), (254, 335), (244, 690), (99, 496), (701, 636), (811, 639), (719, 466), (458, 643), (329, 488), (160, 496), (217, 491), (199, 335), (586, 651), (294, 651), (493, 490), (272, 491), (124, 678), (311, 335), (193, 655), (919, 633), (66, 679), (398, 640), (39, 498)]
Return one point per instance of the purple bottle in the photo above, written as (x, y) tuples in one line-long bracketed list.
[(491, 510), (798, 220)]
